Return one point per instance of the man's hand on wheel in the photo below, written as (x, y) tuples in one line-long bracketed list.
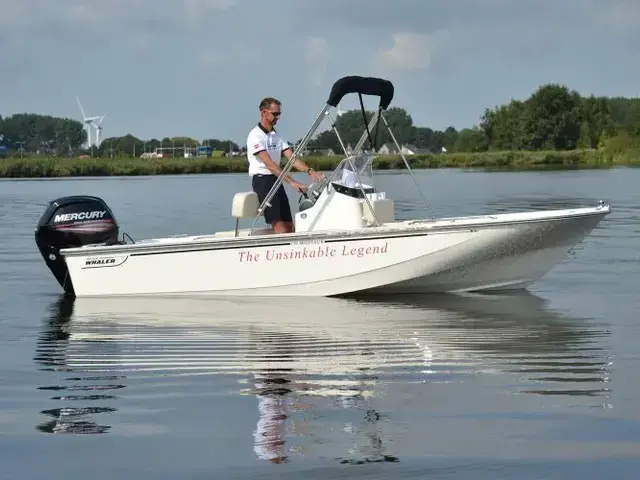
[(299, 186), (317, 176)]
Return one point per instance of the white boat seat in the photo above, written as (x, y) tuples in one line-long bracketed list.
[(383, 207), (245, 205)]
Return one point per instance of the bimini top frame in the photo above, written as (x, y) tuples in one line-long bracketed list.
[(373, 86)]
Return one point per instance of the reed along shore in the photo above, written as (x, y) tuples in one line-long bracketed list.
[(44, 167)]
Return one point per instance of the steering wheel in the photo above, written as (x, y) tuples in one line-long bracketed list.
[(306, 201)]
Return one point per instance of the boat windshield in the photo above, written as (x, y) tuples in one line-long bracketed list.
[(362, 164), (345, 174)]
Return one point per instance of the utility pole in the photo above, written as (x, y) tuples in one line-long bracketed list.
[(21, 145)]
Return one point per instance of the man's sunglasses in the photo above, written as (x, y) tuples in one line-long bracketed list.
[(275, 114)]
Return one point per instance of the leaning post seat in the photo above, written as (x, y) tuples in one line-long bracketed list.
[(244, 205)]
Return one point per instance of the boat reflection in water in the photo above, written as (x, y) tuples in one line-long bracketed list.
[(301, 357)]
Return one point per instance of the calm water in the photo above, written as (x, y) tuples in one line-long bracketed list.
[(538, 385)]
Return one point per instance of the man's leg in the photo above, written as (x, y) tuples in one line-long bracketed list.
[(282, 227), (278, 215), (283, 221)]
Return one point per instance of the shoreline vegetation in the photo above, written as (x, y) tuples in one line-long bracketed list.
[(554, 128), (52, 167)]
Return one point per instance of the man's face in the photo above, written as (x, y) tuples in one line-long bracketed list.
[(273, 113)]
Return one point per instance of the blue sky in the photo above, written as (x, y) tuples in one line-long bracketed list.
[(199, 67)]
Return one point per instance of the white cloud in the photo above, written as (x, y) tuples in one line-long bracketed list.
[(620, 15), (316, 55), (14, 15), (410, 51), (86, 15), (210, 59), (130, 25), (198, 11), (236, 54), (141, 43), (114, 13), (208, 5)]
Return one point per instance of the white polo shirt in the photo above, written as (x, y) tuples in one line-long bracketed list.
[(260, 140)]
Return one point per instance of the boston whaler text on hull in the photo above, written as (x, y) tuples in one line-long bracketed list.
[(346, 239)]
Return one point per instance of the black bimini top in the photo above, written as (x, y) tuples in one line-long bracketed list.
[(363, 86)]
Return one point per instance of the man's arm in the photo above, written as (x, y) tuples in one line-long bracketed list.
[(272, 166), (301, 166), (298, 163)]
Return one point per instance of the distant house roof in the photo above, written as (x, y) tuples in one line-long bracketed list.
[(387, 147), (412, 149), (406, 149)]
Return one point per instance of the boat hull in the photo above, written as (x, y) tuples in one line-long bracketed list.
[(471, 254)]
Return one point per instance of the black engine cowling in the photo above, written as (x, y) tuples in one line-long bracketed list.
[(73, 221)]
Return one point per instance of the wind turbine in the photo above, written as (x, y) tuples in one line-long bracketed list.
[(98, 128), (89, 121)]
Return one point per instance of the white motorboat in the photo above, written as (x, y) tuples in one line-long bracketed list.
[(346, 240)]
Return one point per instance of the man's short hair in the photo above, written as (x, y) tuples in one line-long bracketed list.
[(267, 102)]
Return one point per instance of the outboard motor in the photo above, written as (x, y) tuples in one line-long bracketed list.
[(73, 222)]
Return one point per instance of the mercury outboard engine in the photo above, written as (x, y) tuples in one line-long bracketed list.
[(73, 222)]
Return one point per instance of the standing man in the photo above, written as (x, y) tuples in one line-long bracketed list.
[(264, 150)]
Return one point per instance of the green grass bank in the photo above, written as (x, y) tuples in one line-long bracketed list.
[(43, 167)]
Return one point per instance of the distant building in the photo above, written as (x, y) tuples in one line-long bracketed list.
[(319, 152), (413, 150), (325, 151), (391, 149), (388, 149), (204, 151)]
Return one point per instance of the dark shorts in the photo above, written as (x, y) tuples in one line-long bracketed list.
[(279, 211)]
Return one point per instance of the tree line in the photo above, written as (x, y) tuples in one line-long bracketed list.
[(33, 133), (552, 118)]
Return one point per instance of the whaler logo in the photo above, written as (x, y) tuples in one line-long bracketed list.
[(67, 217), (104, 262), (100, 261)]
